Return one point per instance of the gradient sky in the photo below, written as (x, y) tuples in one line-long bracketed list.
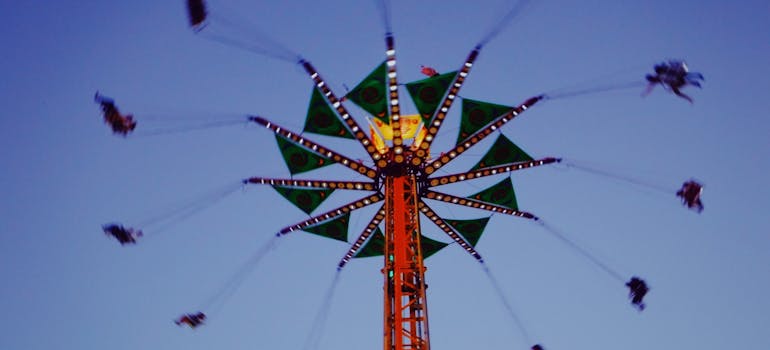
[(64, 285)]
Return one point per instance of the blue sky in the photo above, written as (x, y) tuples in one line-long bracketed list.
[(64, 285)]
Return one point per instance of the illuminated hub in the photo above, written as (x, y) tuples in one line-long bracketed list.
[(407, 167)]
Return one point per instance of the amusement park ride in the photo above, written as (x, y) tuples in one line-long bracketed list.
[(402, 178)]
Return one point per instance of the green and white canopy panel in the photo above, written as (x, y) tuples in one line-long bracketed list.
[(503, 151), (375, 246), (428, 93), (336, 228), (307, 200), (476, 115), (500, 193), (321, 118), (470, 230), (371, 94), (299, 159)]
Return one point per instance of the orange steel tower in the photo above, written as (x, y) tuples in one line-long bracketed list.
[(405, 306)]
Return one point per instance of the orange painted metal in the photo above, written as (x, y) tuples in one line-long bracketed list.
[(406, 311)]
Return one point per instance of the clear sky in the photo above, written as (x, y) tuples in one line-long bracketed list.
[(64, 285)]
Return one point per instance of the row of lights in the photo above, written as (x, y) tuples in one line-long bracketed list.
[(347, 208), (395, 117), (430, 214), (481, 134), (448, 179), (447, 103), (370, 228), (345, 185), (448, 198), (360, 168), (341, 111)]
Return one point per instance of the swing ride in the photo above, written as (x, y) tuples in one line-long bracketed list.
[(401, 180)]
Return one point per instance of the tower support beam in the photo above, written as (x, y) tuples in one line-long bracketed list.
[(406, 311)]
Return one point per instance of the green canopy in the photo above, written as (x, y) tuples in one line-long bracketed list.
[(476, 115), (428, 93), (336, 228), (321, 118), (502, 152), (430, 246), (501, 194), (371, 94), (375, 246), (470, 230), (307, 200), (299, 159)]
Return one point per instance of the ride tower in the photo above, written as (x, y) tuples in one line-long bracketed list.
[(402, 178), (405, 305)]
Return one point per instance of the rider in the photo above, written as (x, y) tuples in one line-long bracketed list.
[(120, 124), (690, 194), (122, 234), (192, 320), (673, 75), (637, 290), (196, 9)]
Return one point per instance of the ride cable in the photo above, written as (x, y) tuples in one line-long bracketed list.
[(436, 119), (638, 288), (508, 306), (629, 179), (160, 223), (495, 30), (124, 124), (163, 126), (558, 94), (598, 84), (217, 300), (384, 10), (225, 27), (319, 322), (582, 251), (199, 21)]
